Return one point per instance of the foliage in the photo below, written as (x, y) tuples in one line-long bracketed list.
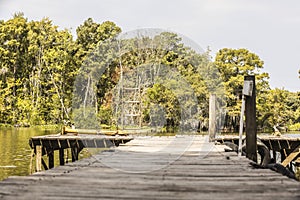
[(40, 64), (85, 118), (294, 127), (233, 65), (163, 97)]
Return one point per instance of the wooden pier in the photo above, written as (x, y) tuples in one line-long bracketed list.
[(72, 139), (179, 167)]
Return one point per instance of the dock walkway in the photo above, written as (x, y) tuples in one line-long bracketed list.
[(178, 167)]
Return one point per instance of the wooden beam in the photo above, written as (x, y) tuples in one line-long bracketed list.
[(251, 137), (274, 155), (212, 117), (44, 164), (38, 153), (75, 153), (51, 159), (61, 156), (291, 157), (66, 130)]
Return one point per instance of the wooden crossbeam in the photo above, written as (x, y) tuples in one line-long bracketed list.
[(71, 131), (291, 156)]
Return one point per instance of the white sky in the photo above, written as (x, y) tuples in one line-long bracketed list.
[(269, 28)]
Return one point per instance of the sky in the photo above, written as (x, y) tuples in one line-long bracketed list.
[(268, 28)]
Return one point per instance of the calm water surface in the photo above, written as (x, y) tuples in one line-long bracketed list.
[(15, 151)]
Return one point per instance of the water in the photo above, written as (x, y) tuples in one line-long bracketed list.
[(15, 151), (294, 134)]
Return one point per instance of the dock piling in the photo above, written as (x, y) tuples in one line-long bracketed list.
[(251, 135), (38, 150), (61, 156)]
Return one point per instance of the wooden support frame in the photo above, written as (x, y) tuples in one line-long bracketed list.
[(47, 145)]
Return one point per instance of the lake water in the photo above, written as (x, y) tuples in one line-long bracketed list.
[(15, 151)]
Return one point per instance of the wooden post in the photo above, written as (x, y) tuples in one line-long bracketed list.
[(51, 159), (61, 156), (274, 155), (38, 152), (240, 148), (63, 130), (250, 106), (212, 117), (75, 152)]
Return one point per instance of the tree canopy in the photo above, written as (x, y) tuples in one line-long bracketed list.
[(40, 64)]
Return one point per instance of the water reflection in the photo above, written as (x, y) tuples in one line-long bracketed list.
[(15, 151)]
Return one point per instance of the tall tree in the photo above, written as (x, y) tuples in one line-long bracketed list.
[(13, 61), (170, 72), (93, 43), (37, 71), (233, 65), (282, 108)]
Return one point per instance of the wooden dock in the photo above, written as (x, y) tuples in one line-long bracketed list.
[(46, 145), (179, 167)]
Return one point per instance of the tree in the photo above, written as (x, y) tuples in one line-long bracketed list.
[(13, 62), (53, 68), (39, 64), (171, 77), (37, 71), (282, 107), (94, 47), (90, 34), (233, 65)]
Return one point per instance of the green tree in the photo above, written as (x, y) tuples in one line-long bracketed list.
[(37, 71), (90, 34), (168, 69), (160, 95), (94, 43), (53, 69), (281, 107), (233, 65), (13, 63)]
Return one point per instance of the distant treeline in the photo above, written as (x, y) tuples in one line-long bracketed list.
[(39, 63)]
